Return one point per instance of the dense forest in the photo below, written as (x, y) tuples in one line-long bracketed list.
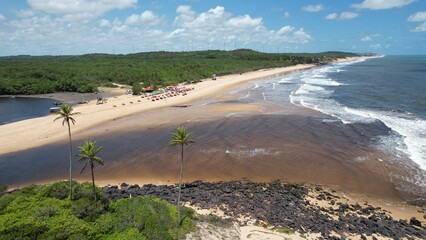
[(84, 73)]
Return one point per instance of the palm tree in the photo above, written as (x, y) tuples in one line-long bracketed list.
[(88, 153), (180, 137), (65, 113)]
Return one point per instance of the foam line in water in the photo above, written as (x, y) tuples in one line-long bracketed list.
[(412, 130)]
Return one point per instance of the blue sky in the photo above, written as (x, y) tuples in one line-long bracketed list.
[(59, 27)]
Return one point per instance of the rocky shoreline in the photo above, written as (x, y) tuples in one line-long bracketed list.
[(305, 209)]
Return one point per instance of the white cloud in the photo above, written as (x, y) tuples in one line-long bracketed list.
[(244, 21), (301, 36), (147, 17), (81, 9), (176, 32), (313, 8), (104, 23), (25, 13), (218, 25), (347, 15), (420, 28), (366, 39), (2, 18), (417, 17), (341, 16), (376, 46), (216, 28), (370, 38), (382, 4), (286, 14), (286, 30), (331, 16)]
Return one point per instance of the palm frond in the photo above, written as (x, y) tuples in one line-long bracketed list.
[(65, 113), (180, 137), (88, 153)]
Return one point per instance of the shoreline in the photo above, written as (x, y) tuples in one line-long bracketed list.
[(107, 117), (125, 105)]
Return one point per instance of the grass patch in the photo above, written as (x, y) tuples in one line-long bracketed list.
[(215, 220), (285, 230)]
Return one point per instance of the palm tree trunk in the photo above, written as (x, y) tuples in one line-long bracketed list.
[(69, 135), (93, 183), (180, 185)]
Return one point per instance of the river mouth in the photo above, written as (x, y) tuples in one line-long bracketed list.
[(253, 132), (295, 146)]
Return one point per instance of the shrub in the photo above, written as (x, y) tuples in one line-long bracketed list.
[(5, 200), (86, 209), (58, 190), (3, 188), (136, 89)]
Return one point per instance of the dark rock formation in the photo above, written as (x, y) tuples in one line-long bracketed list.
[(283, 205)]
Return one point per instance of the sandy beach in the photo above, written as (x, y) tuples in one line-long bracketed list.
[(40, 131)]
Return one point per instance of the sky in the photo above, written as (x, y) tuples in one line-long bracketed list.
[(69, 27)]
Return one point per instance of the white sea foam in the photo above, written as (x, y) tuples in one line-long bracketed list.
[(412, 131), (321, 81), (286, 80), (256, 86), (244, 153), (311, 89)]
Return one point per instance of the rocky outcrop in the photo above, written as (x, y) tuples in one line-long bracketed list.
[(283, 205)]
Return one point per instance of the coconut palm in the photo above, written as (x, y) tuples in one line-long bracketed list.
[(66, 114), (180, 137), (88, 153)]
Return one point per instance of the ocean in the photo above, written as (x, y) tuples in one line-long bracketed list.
[(17, 109), (390, 90)]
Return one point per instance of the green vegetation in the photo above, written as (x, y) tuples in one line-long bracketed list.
[(285, 230), (88, 153), (46, 74), (136, 88), (45, 212), (66, 114), (180, 137)]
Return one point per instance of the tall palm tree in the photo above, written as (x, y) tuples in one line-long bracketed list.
[(66, 114), (180, 137), (88, 153)]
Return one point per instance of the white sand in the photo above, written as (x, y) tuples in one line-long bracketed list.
[(40, 131)]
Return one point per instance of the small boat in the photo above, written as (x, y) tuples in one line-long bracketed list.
[(54, 109)]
